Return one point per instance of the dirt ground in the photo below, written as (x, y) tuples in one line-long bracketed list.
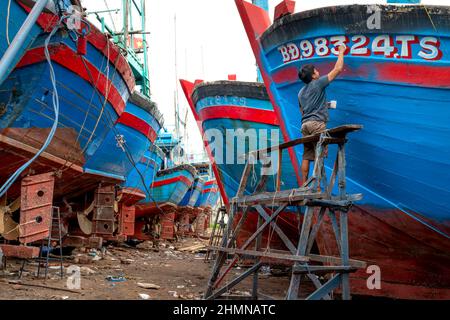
[(175, 274)]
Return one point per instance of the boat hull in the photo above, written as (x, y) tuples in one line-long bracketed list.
[(134, 132), (394, 84), (14, 17), (237, 118), (168, 189)]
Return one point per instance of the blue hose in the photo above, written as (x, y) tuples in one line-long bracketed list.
[(55, 100)]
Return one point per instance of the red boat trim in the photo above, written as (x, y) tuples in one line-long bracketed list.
[(239, 113), (64, 56), (171, 180), (256, 21), (47, 21), (423, 75), (130, 120), (208, 183), (394, 72), (188, 88), (210, 190)]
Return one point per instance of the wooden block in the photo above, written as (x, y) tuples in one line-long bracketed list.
[(23, 252)]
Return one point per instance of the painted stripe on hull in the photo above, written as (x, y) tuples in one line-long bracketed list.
[(47, 21), (188, 88), (65, 57), (387, 72), (138, 124), (171, 180), (240, 113)]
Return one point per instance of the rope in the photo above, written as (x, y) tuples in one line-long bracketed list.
[(429, 17), (113, 127), (7, 22), (433, 25), (55, 100)]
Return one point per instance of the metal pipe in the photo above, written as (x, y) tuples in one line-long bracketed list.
[(126, 13), (19, 40)]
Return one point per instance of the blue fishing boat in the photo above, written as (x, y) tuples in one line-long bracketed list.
[(396, 84), (156, 218), (143, 175), (59, 104), (194, 193), (92, 86), (209, 195), (134, 132), (242, 111), (165, 190), (14, 13), (168, 189)]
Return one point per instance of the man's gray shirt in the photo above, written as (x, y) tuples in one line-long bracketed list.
[(313, 101)]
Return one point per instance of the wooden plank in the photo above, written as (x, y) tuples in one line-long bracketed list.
[(263, 226), (287, 242), (315, 230), (262, 254), (326, 288), (292, 293), (280, 158), (244, 178), (336, 260), (322, 269), (333, 176), (257, 248), (335, 133), (344, 256), (284, 255), (288, 196), (235, 281), (332, 215)]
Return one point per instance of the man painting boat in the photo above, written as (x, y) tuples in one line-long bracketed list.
[(313, 105)]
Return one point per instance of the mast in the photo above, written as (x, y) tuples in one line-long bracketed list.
[(126, 14), (137, 56)]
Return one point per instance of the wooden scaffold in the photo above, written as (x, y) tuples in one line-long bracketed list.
[(314, 200)]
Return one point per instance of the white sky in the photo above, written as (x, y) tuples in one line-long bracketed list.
[(211, 43)]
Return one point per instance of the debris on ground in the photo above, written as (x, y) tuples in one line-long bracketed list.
[(116, 279), (127, 261), (146, 245), (194, 248), (148, 285), (176, 275), (86, 271), (144, 296)]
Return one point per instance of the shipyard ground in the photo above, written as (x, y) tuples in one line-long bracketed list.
[(178, 274)]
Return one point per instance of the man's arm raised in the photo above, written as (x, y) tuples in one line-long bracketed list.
[(339, 66)]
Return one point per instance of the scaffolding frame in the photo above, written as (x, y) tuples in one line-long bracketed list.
[(315, 197)]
